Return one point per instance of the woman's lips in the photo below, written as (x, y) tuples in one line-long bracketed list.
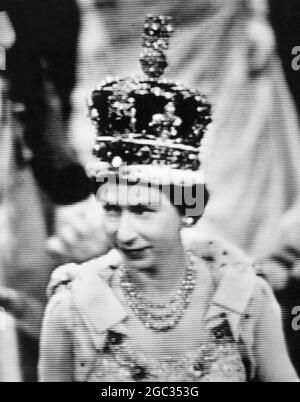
[(133, 252)]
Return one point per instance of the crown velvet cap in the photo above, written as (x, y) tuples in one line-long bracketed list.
[(151, 126)]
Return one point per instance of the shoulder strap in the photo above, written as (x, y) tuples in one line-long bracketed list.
[(95, 301), (233, 275), (232, 296), (66, 274)]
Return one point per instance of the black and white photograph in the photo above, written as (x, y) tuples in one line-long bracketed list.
[(149, 193)]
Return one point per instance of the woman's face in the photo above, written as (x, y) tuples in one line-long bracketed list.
[(142, 223)]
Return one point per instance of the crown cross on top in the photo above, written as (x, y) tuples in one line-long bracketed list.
[(157, 32)]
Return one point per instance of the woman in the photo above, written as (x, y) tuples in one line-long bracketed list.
[(135, 320), (154, 309)]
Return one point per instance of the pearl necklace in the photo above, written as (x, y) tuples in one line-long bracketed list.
[(160, 316)]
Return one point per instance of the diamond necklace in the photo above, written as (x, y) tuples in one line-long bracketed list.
[(160, 316)]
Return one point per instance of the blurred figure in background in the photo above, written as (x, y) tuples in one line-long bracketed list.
[(280, 264), (9, 352), (47, 190), (285, 17), (281, 268)]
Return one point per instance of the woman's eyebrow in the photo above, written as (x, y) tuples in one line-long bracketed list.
[(110, 204), (142, 206)]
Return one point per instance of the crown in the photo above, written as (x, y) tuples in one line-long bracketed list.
[(148, 120)]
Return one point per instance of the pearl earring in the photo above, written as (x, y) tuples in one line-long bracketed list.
[(187, 221)]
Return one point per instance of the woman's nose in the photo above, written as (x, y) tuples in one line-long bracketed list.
[(126, 234)]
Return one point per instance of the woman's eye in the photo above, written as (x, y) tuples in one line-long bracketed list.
[(114, 209), (140, 209)]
